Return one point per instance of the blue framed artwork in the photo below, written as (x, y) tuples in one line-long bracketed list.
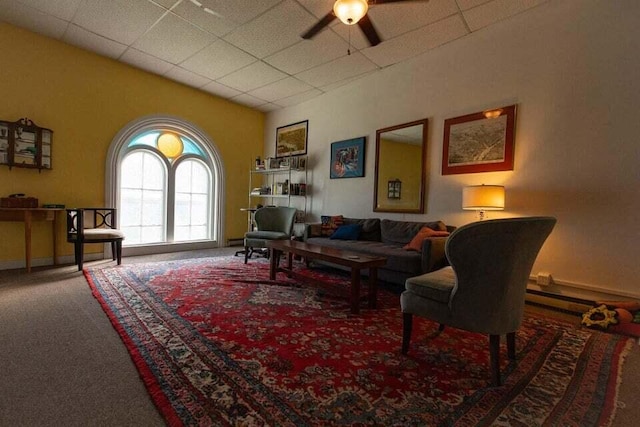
[(347, 158)]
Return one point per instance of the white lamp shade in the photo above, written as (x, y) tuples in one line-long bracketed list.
[(350, 11), (483, 197)]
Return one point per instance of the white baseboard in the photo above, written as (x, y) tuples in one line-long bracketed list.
[(47, 261), (579, 290)]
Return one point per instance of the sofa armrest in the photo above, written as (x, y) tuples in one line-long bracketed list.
[(313, 229), (433, 254)]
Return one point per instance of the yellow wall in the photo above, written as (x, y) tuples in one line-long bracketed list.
[(401, 161), (86, 99)]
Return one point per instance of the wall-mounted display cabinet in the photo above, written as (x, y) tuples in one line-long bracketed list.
[(23, 144)]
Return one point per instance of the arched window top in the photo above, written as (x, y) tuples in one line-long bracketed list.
[(150, 139)]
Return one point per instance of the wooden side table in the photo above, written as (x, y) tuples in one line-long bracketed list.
[(27, 216)]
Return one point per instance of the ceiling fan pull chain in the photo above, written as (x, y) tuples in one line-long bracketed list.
[(349, 48)]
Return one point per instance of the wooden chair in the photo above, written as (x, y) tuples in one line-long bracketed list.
[(484, 288), (94, 225)]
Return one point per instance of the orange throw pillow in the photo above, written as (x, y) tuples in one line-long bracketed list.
[(425, 232)]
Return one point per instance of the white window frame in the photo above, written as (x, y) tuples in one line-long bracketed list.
[(118, 149)]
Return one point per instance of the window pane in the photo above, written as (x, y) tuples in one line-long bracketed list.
[(143, 198), (192, 201)]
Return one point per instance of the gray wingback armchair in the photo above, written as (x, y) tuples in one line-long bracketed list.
[(272, 223), (483, 289)]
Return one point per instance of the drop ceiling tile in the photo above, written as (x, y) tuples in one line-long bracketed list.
[(238, 11), (63, 9), (468, 4), (324, 47), (31, 19), (341, 83), (299, 98), (187, 77), (277, 29), (123, 21), (249, 100), (166, 3), (268, 107), (281, 89), (342, 68), (412, 44), (395, 19), (173, 39), (145, 61), (497, 10), (220, 90), (200, 16), (82, 38), (218, 59), (251, 77), (319, 8)]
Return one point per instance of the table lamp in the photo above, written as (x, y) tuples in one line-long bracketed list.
[(483, 198)]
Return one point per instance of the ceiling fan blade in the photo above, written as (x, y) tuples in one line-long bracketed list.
[(319, 25), (369, 30)]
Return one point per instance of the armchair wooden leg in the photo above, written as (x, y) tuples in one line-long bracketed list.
[(441, 327), (246, 254), (79, 255), (494, 357), (118, 254), (407, 325), (113, 251), (511, 345)]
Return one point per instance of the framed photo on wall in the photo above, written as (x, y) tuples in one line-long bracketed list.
[(479, 142), (291, 140), (347, 158)]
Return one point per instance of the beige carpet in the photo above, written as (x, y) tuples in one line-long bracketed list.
[(62, 363)]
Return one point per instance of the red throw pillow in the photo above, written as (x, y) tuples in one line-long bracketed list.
[(425, 232)]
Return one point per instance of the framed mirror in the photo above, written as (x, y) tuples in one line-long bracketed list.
[(401, 154)]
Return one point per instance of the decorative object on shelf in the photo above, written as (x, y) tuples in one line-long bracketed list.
[(394, 189), (347, 158), (401, 153), (291, 140), (479, 142), (18, 201), (483, 198), (24, 144)]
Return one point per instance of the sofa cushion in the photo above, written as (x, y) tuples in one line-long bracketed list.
[(347, 232), (425, 232), (401, 232), (330, 224), (370, 228)]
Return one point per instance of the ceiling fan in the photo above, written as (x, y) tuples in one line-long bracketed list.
[(352, 12)]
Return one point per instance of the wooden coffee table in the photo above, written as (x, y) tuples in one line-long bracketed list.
[(355, 261)]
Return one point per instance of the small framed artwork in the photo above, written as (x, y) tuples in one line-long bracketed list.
[(291, 140), (347, 158), (394, 189), (479, 142)]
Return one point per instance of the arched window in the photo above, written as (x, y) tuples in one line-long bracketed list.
[(165, 177)]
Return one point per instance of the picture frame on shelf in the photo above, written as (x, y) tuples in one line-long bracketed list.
[(347, 158), (291, 140), (479, 142)]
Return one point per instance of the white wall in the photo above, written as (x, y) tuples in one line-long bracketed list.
[(572, 67)]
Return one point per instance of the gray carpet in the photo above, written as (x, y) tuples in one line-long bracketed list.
[(62, 363)]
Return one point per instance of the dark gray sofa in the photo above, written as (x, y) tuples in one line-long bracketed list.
[(386, 238)]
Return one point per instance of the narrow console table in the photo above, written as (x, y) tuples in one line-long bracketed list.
[(27, 216)]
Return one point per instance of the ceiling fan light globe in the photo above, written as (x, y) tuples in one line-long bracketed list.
[(350, 11)]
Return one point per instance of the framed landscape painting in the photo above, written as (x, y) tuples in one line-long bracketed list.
[(291, 140), (479, 142), (347, 158)]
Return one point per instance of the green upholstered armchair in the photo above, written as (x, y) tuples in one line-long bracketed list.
[(94, 225), (483, 289), (272, 223)]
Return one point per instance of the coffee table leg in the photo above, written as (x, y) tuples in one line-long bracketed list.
[(373, 287), (273, 263), (355, 290)]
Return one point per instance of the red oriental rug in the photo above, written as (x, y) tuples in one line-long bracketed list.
[(217, 343)]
